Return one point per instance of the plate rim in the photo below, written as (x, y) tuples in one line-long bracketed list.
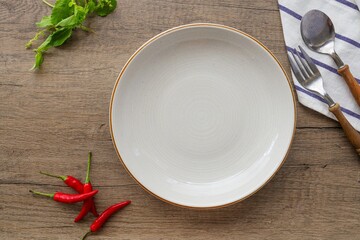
[(174, 29)]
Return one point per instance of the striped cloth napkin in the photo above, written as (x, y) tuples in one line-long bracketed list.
[(346, 18)]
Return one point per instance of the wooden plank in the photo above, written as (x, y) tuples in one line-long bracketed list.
[(313, 196), (50, 119)]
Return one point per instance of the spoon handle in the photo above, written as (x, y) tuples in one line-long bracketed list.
[(350, 132), (351, 82)]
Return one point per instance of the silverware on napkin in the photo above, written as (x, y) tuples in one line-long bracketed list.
[(318, 33), (310, 78)]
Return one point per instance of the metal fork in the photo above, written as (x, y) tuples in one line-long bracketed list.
[(309, 77)]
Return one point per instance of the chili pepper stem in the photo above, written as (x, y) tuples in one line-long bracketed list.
[(47, 3), (50, 195), (86, 235), (87, 179), (53, 175)]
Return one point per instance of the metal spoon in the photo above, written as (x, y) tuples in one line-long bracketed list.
[(318, 33)]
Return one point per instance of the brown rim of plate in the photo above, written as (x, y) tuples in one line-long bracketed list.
[(173, 30)]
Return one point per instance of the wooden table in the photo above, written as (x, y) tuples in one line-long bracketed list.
[(50, 119)]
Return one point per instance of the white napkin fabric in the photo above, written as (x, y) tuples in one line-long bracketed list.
[(357, 2), (345, 16)]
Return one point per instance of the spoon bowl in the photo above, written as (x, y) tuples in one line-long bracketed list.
[(318, 33)]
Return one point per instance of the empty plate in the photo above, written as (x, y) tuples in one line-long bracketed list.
[(202, 115)]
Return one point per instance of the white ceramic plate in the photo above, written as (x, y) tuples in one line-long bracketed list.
[(202, 115)]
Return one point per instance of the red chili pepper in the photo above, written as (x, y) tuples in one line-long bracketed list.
[(77, 185), (72, 182), (89, 203), (67, 198), (104, 216), (86, 207), (93, 208)]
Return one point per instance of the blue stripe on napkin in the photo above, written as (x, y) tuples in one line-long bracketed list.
[(349, 4)]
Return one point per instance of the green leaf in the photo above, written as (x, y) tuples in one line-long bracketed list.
[(39, 59), (54, 40), (91, 6), (61, 10), (105, 7), (45, 22), (74, 20), (68, 22), (45, 45), (60, 36)]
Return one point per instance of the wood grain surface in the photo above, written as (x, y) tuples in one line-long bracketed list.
[(50, 119)]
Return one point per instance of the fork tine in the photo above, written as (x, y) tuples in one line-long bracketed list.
[(309, 61), (296, 69), (300, 64), (304, 63)]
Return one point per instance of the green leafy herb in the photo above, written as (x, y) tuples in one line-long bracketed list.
[(45, 22), (66, 16), (39, 58), (62, 9), (35, 38), (105, 7)]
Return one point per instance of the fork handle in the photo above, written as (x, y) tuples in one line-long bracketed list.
[(350, 132), (351, 82)]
